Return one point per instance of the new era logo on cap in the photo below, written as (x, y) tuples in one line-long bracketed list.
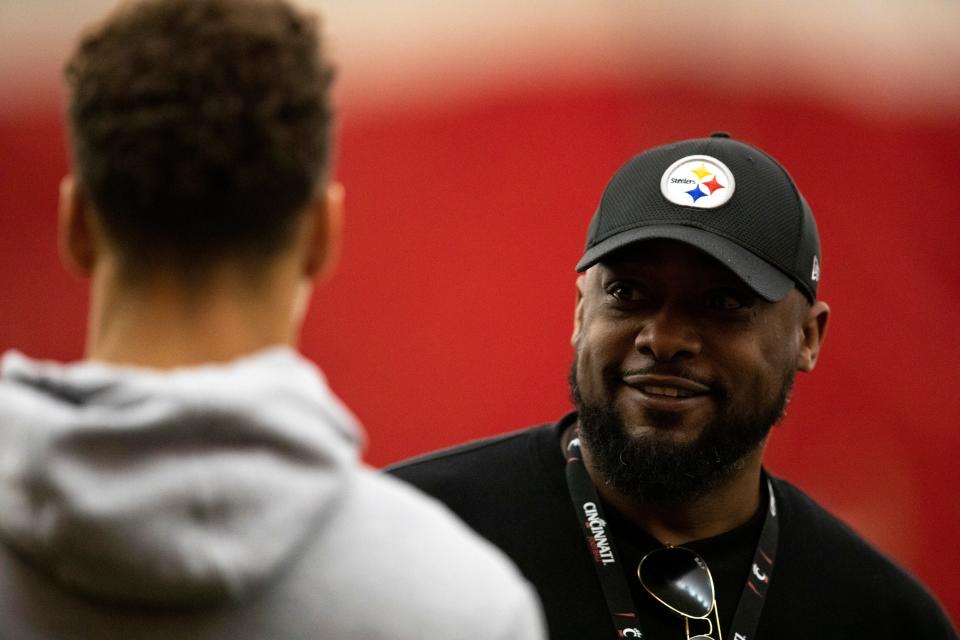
[(698, 181)]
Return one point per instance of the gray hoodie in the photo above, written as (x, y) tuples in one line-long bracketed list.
[(223, 501)]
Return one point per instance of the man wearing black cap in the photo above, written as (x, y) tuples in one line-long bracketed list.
[(647, 512)]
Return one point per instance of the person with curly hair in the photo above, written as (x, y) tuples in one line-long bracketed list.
[(194, 476)]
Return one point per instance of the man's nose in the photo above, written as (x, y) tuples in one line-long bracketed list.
[(668, 336)]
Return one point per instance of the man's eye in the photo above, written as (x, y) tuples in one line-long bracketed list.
[(727, 301), (625, 293)]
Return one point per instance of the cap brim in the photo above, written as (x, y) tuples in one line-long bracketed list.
[(768, 281)]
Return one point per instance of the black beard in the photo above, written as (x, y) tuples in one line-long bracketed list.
[(666, 473)]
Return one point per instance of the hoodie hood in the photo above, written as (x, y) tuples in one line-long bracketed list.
[(189, 486)]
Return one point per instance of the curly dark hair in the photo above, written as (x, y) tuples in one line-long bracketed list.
[(200, 128)]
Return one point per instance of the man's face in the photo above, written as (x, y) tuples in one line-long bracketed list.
[(680, 368)]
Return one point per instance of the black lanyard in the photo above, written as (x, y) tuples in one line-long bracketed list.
[(623, 611)]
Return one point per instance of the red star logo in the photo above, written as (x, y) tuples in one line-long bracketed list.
[(713, 185)]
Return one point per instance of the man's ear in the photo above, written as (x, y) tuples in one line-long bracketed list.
[(578, 311), (814, 329), (324, 249), (76, 240)]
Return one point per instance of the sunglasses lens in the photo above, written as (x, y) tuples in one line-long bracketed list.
[(679, 578)]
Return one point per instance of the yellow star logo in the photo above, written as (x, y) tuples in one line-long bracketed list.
[(701, 173)]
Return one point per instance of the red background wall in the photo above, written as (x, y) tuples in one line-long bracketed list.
[(450, 315)]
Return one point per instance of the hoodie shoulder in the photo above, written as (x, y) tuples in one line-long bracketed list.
[(393, 550)]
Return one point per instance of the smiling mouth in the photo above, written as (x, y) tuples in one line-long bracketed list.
[(669, 392), (666, 387)]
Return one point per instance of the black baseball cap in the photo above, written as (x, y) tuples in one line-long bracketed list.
[(724, 197)]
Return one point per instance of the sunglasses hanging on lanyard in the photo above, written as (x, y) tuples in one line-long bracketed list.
[(676, 577), (679, 579)]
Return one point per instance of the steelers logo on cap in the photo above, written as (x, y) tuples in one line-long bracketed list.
[(697, 181)]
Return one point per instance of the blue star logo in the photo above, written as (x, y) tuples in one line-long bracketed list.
[(696, 193)]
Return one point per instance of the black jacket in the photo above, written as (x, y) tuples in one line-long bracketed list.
[(827, 583)]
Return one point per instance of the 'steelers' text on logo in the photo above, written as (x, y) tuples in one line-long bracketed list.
[(598, 541)]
